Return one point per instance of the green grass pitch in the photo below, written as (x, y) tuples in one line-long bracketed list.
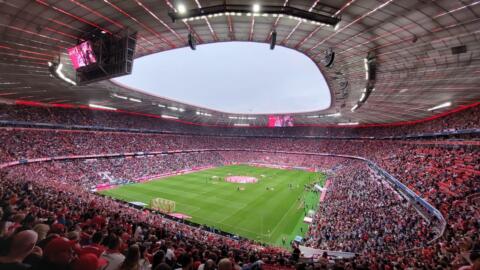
[(256, 213)]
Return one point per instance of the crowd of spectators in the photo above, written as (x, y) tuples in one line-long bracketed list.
[(106, 231), (43, 203), (375, 219), (462, 120), (90, 173)]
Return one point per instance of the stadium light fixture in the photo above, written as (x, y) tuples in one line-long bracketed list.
[(365, 61), (241, 125), (173, 108), (181, 8), (294, 13), (166, 116), (348, 124), (325, 115), (354, 108), (119, 96), (96, 106), (440, 106), (9, 83), (364, 96), (336, 26), (59, 68), (161, 106), (334, 114), (135, 99), (203, 114), (59, 73)]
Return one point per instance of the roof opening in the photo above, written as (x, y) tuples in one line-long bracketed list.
[(233, 77)]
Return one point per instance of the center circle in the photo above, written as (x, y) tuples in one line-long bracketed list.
[(241, 179)]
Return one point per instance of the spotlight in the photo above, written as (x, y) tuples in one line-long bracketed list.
[(336, 26), (181, 9), (256, 8), (443, 105), (274, 40)]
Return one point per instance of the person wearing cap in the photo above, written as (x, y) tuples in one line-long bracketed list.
[(59, 253), (88, 261), (95, 247), (21, 246)]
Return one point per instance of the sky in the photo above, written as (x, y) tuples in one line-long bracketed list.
[(233, 77)]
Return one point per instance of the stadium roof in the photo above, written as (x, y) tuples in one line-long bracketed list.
[(418, 46)]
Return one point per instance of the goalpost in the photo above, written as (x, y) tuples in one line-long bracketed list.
[(162, 205)]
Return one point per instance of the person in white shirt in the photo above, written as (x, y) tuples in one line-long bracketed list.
[(112, 255)]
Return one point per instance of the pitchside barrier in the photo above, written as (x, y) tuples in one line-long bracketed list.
[(162, 205)]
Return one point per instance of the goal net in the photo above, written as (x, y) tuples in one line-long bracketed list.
[(162, 205)]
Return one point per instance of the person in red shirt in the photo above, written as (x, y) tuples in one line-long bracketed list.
[(95, 247)]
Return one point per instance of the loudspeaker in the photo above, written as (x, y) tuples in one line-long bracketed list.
[(372, 70), (274, 40), (192, 42), (329, 57)]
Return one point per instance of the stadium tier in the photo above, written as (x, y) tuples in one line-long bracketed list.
[(49, 173), (239, 135), (463, 123)]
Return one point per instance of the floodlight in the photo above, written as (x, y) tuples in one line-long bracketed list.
[(443, 105), (181, 9)]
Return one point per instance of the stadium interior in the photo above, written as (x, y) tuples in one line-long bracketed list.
[(98, 175)]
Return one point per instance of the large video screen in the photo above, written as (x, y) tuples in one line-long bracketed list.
[(280, 121), (82, 55)]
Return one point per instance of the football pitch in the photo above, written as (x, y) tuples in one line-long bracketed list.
[(267, 211)]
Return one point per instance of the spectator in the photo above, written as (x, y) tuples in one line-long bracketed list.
[(184, 262), (58, 254), (132, 260), (225, 264), (113, 255), (88, 261), (95, 247), (21, 245)]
